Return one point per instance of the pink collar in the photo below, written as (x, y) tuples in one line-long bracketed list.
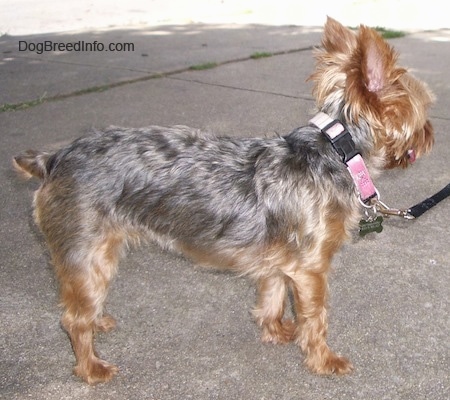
[(343, 143)]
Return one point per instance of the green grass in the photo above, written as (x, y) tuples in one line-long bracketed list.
[(388, 33), (94, 89), (257, 55), (201, 67), (385, 33), (24, 105)]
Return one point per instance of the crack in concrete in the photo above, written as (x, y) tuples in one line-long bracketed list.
[(169, 74), (305, 97)]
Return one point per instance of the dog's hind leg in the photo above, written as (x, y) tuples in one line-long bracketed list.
[(83, 288)]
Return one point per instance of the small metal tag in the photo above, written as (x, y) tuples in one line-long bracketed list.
[(370, 225)]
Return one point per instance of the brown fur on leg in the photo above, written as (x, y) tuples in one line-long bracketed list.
[(79, 320), (311, 295), (269, 310), (105, 324), (83, 291)]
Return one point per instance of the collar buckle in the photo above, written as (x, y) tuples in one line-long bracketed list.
[(343, 143), (341, 139)]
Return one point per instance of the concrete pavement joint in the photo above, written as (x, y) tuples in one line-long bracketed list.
[(309, 98), (101, 88), (82, 64), (440, 117)]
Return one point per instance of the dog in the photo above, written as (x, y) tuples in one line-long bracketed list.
[(276, 209)]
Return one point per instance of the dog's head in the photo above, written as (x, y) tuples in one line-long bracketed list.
[(357, 73)]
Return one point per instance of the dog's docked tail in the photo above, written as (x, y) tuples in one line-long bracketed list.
[(32, 163)]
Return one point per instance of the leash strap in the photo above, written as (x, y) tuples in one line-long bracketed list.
[(417, 210)]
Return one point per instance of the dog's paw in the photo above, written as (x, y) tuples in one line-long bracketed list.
[(279, 332), (329, 363), (97, 371)]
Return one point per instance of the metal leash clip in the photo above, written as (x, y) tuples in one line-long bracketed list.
[(388, 211)]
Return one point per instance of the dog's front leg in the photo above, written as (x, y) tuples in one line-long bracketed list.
[(310, 294), (269, 310)]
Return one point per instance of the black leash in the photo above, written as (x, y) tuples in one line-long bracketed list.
[(372, 222), (417, 210)]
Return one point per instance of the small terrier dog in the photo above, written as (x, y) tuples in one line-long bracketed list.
[(276, 209)]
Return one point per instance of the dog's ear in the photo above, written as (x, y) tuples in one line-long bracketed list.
[(337, 38), (378, 60)]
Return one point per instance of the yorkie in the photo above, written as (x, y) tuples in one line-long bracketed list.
[(276, 209)]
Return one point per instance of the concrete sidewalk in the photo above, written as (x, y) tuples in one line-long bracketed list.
[(187, 333)]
